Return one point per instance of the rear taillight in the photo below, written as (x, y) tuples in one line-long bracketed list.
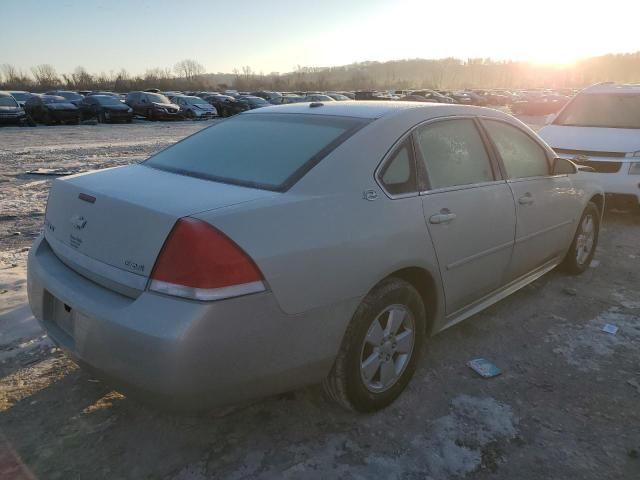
[(199, 262)]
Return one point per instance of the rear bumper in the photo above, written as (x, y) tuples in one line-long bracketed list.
[(182, 353)]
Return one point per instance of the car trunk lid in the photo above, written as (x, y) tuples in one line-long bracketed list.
[(112, 224)]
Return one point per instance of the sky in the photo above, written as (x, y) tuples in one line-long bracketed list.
[(278, 35)]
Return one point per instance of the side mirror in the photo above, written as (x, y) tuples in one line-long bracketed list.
[(562, 166)]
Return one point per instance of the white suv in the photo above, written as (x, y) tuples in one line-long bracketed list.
[(600, 128)]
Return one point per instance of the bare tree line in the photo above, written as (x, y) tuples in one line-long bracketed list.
[(448, 73)]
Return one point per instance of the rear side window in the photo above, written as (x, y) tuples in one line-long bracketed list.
[(522, 156), (268, 151), (398, 175), (454, 153)]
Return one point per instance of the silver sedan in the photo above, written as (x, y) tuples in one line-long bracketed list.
[(300, 244)]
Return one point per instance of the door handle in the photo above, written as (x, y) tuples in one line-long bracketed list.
[(445, 216), (526, 199)]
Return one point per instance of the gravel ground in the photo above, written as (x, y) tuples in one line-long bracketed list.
[(566, 405)]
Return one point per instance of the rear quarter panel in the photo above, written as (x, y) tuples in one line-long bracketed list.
[(322, 242)]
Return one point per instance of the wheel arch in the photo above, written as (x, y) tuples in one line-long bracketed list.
[(424, 282), (598, 200)]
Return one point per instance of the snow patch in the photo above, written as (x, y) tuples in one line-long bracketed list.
[(585, 345), (454, 444)]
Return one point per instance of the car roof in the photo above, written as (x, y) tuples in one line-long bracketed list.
[(611, 87), (373, 109)]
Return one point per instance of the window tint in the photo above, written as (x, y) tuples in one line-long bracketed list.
[(522, 157), (398, 175), (267, 151), (454, 153)]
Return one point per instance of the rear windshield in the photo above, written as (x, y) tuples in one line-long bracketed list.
[(267, 151), (53, 99), (602, 110), (69, 95), (107, 100)]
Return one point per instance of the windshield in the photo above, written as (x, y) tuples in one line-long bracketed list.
[(107, 100), (20, 96), (7, 101), (53, 99), (157, 98), (267, 151), (602, 110), (194, 100), (255, 100), (69, 95)]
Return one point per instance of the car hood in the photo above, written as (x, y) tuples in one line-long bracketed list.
[(591, 138), (61, 106)]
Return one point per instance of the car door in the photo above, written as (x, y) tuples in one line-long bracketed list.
[(545, 203), (468, 209)]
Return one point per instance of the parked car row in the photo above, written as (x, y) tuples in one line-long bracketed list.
[(66, 106)]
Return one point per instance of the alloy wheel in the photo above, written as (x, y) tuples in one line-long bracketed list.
[(585, 240), (387, 348)]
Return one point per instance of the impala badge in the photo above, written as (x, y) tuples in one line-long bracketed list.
[(78, 222)]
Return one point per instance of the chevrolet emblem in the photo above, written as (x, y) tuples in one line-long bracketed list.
[(78, 222)]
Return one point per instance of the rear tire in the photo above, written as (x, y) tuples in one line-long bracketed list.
[(585, 241), (375, 362)]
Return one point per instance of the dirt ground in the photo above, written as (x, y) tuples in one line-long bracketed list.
[(565, 407)]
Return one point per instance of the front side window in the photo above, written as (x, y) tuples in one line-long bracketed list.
[(398, 175), (454, 153), (521, 155), (267, 151)]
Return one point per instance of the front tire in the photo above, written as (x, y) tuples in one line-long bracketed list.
[(583, 246), (380, 348)]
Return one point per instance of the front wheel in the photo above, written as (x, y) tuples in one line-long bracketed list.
[(583, 247), (380, 348)]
